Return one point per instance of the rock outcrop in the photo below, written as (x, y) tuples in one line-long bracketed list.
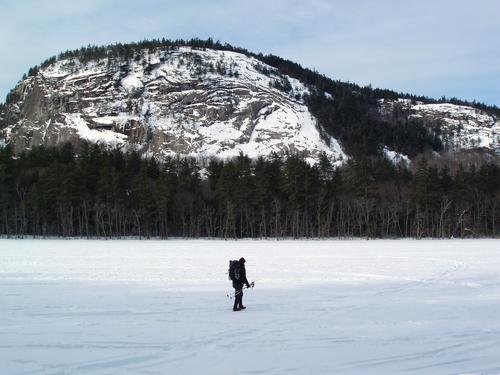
[(182, 101)]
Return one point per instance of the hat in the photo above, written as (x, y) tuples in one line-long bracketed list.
[(242, 260)]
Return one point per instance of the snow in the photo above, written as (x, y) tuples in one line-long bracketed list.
[(107, 120), (107, 137), (132, 82), (396, 158), (319, 307)]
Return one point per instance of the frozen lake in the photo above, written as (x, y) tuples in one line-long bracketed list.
[(318, 307)]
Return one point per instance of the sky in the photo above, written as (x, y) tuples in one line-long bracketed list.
[(426, 47)]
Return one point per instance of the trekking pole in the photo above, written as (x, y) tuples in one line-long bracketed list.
[(231, 295)]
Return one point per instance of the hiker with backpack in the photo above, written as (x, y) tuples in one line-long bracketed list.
[(238, 276)]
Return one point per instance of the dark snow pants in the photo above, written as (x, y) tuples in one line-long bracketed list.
[(238, 297)]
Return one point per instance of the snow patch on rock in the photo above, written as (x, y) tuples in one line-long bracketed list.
[(132, 82), (396, 158), (106, 137)]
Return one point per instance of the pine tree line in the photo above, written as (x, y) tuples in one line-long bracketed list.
[(106, 193)]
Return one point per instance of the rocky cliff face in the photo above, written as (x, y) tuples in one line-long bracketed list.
[(180, 101), (203, 103), (460, 127)]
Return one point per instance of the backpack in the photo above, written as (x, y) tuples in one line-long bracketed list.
[(234, 270)]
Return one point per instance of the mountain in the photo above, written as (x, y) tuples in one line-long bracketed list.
[(204, 99), (168, 102), (345, 160)]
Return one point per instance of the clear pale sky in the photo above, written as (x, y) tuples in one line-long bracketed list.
[(429, 47)]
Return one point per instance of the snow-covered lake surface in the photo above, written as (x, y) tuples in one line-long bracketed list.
[(318, 307)]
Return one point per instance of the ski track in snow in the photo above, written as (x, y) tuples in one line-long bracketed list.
[(319, 307)]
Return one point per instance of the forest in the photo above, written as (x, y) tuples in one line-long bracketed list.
[(95, 192)]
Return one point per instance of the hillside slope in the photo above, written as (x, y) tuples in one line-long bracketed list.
[(204, 99), (184, 102)]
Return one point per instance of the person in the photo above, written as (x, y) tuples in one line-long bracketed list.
[(238, 283)]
